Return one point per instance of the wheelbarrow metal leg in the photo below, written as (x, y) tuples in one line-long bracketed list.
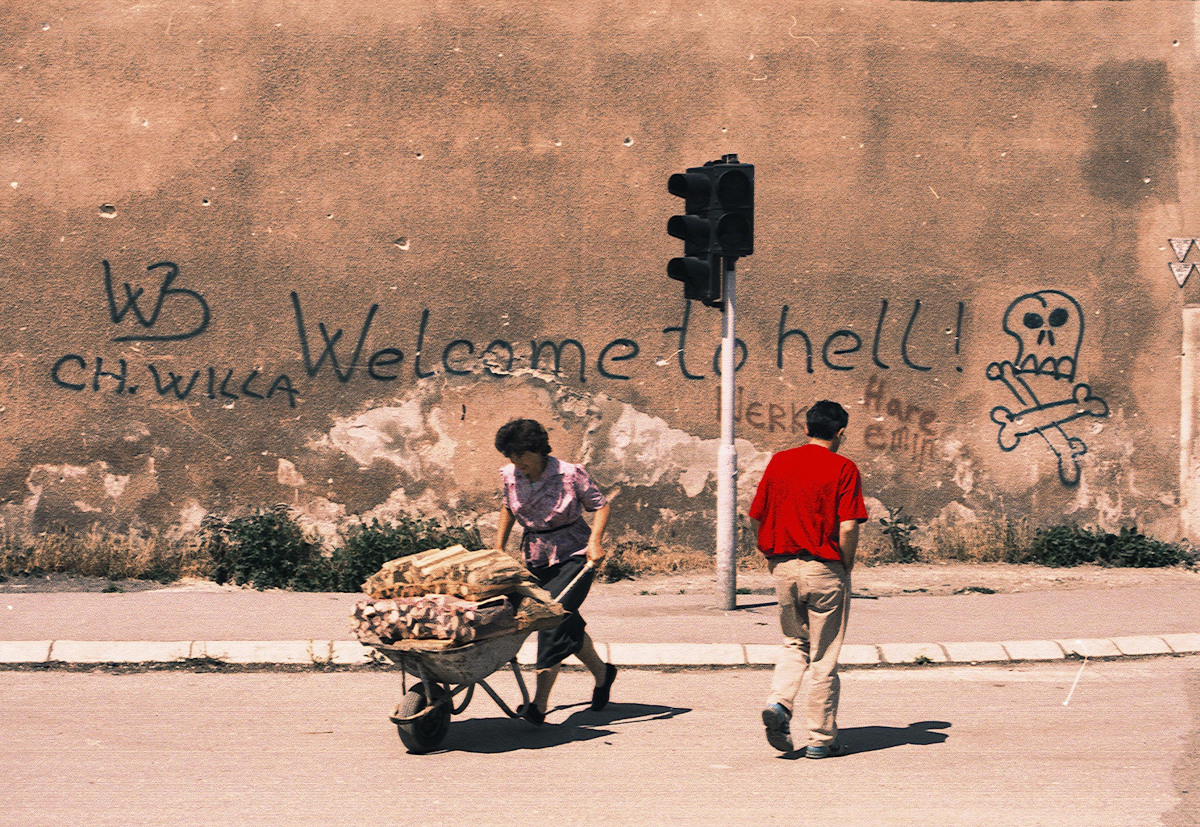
[(466, 700), (426, 683), (520, 681), (500, 701)]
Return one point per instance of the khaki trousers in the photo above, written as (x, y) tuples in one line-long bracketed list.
[(814, 604)]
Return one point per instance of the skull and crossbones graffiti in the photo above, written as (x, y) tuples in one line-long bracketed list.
[(1048, 327)]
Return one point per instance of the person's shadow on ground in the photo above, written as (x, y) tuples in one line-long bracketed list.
[(502, 734), (871, 738)]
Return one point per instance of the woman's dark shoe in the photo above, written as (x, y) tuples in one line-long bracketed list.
[(532, 714), (600, 693)]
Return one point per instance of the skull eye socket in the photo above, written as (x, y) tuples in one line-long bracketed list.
[(1058, 317), (1033, 320)]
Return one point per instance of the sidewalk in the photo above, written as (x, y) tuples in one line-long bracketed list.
[(660, 621)]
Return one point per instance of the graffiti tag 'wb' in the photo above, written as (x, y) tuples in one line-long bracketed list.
[(1048, 327), (148, 321)]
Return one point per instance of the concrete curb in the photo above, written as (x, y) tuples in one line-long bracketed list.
[(352, 653)]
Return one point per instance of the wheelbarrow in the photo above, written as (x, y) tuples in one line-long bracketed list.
[(449, 674)]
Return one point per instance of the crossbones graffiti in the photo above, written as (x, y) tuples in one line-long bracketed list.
[(1048, 327)]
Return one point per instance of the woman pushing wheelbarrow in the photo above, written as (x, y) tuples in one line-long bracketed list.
[(548, 497)]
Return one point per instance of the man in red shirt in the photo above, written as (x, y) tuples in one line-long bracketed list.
[(809, 505)]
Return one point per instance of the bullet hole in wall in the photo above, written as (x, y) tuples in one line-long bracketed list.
[(402, 242), (108, 210)]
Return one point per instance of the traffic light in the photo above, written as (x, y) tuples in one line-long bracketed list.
[(698, 269), (718, 224)]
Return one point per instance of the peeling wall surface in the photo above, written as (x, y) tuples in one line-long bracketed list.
[(317, 253)]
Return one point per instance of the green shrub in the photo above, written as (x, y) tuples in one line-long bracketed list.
[(898, 527), (265, 549), (1071, 545), (369, 545)]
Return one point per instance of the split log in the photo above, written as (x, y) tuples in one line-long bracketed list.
[(452, 595), (432, 617), (471, 575)]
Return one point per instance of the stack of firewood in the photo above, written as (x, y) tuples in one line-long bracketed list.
[(452, 595), (471, 575), (432, 617)]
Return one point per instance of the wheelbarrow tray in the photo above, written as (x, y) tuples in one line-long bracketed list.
[(465, 663)]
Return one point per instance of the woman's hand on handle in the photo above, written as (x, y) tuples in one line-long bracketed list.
[(595, 551), (595, 546)]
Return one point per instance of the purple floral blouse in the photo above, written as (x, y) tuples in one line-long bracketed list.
[(551, 510)]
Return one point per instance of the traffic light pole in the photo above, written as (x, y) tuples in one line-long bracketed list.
[(717, 227), (727, 453)]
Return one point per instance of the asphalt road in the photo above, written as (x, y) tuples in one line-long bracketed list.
[(931, 746)]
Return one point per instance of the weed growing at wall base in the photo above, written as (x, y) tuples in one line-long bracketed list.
[(268, 549), (1005, 540), (102, 553), (369, 545), (1071, 545), (265, 548), (899, 527), (1014, 540)]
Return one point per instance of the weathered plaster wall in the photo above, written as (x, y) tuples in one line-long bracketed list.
[(306, 252)]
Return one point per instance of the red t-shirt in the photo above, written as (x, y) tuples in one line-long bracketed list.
[(803, 497)]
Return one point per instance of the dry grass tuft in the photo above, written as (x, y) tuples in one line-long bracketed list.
[(104, 553), (640, 558), (994, 541)]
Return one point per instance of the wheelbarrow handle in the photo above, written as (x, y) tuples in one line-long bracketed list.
[(588, 566)]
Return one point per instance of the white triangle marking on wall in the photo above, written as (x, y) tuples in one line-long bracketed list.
[(1181, 246), (1181, 272)]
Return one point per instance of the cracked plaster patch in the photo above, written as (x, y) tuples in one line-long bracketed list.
[(399, 435), (286, 474), (83, 487), (190, 517), (956, 512), (622, 446), (643, 449), (324, 518), (876, 510), (964, 473), (115, 484)]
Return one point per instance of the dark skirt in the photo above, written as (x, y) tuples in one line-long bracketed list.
[(566, 639)]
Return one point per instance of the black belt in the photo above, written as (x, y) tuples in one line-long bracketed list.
[(558, 528), (800, 555)]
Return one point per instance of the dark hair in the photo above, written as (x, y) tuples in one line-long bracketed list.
[(521, 435), (825, 419)]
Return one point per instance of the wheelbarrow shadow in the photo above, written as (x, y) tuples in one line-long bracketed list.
[(872, 738), (498, 735)]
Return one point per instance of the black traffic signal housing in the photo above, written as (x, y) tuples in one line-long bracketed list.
[(717, 227)]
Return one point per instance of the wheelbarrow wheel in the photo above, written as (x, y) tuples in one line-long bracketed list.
[(428, 731)]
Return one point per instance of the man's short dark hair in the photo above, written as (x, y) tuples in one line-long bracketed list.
[(825, 419), (522, 435)]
